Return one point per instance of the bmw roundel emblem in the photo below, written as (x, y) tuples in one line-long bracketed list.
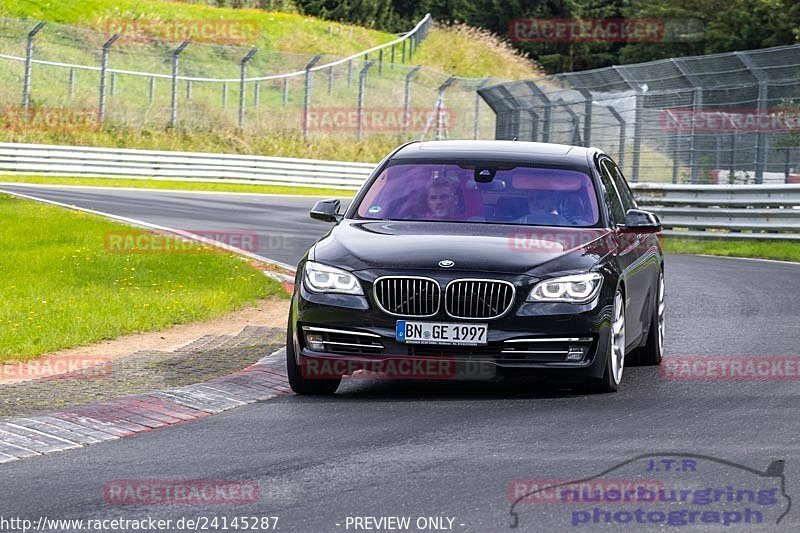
[(446, 263)]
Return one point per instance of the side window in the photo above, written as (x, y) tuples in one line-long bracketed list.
[(625, 194), (617, 210)]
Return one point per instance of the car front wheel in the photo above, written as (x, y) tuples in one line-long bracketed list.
[(615, 351)]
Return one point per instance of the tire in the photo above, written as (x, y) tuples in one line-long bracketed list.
[(653, 350), (615, 351), (299, 383)]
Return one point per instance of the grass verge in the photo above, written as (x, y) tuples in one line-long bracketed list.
[(755, 248), (176, 185), (62, 287)]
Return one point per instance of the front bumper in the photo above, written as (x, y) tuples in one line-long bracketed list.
[(558, 340)]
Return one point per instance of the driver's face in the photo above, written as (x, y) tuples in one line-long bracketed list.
[(441, 202), (540, 203)]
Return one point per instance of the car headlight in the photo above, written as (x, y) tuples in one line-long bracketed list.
[(324, 278), (577, 289)]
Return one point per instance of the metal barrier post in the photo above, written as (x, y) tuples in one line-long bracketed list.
[(637, 121), (587, 116), (101, 108), (173, 105), (26, 86), (362, 82), (622, 132), (151, 93), (761, 138), (407, 94), (440, 105), (697, 106), (307, 97), (484, 82), (548, 110), (71, 82), (247, 57)]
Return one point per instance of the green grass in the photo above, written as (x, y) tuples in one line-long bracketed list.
[(285, 32), (470, 52), (61, 287), (176, 185), (756, 248)]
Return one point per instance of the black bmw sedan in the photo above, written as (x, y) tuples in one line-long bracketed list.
[(460, 256)]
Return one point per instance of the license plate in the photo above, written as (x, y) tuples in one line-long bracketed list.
[(453, 333)]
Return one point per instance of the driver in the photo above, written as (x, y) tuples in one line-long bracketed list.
[(442, 198)]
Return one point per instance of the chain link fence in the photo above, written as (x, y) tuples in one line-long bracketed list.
[(64, 76), (724, 118)]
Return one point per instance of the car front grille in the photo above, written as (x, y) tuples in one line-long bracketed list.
[(407, 296), (478, 298)]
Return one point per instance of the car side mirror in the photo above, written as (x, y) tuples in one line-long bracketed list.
[(327, 210), (640, 221)]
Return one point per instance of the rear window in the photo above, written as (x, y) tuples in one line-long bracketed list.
[(483, 194)]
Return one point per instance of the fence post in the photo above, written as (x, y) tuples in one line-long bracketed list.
[(637, 122), (392, 63), (440, 104), (256, 94), (173, 105), (285, 92), (188, 89), (330, 80), (484, 82), (407, 95), (243, 70), (548, 110), (697, 106), (152, 89), (349, 73), (224, 94), (761, 137), (71, 82), (403, 54), (587, 116), (622, 127), (307, 96), (362, 82), (576, 123), (380, 61), (101, 108), (26, 86), (732, 168)]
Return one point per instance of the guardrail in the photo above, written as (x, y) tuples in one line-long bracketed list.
[(709, 211), (88, 162), (724, 211)]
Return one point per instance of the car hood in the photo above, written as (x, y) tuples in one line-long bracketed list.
[(360, 245)]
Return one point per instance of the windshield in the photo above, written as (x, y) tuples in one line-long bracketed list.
[(482, 193)]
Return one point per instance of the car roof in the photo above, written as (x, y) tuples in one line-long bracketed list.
[(495, 151)]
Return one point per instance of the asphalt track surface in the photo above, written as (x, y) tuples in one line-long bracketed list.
[(447, 449)]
